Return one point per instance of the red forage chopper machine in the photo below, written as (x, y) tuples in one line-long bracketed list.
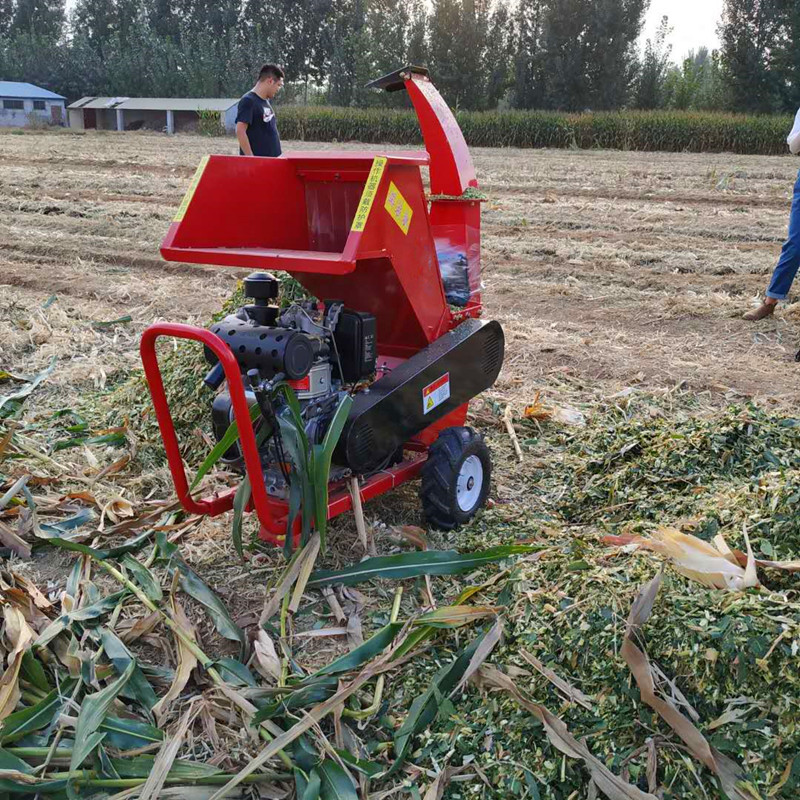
[(396, 325)]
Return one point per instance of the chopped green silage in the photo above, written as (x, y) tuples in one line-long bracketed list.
[(733, 656)]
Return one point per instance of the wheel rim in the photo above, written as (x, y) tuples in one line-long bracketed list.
[(469, 483)]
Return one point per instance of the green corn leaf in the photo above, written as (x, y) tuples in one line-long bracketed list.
[(414, 638), (426, 706), (33, 672), (240, 501), (295, 506), (107, 769), (336, 782), (129, 734), (75, 575), (144, 577), (455, 616), (310, 787), (322, 466), (411, 565), (363, 653), (296, 445), (368, 768), (294, 432), (141, 766), (121, 658), (10, 761), (221, 447), (101, 325), (93, 710), (130, 546), (192, 584), (62, 528), (234, 672), (31, 384), (94, 610), (35, 717), (34, 789), (242, 496), (309, 694), (116, 439)]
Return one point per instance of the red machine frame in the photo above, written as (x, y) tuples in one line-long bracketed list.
[(343, 248)]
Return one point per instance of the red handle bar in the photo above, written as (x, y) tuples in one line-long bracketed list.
[(216, 504)]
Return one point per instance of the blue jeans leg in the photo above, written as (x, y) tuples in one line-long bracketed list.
[(789, 261)]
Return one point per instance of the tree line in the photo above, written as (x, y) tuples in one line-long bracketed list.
[(568, 55)]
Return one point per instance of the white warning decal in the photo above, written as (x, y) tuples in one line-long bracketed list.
[(434, 394)]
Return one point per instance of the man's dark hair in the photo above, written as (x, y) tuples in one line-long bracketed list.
[(270, 71)]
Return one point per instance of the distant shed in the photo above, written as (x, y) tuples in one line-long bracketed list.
[(159, 113), (20, 102)]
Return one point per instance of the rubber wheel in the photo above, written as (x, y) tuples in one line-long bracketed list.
[(455, 478)]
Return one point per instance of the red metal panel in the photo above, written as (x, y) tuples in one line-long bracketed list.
[(397, 275), (452, 170), (336, 157), (245, 203), (341, 499)]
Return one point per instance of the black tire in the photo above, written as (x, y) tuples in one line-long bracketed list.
[(447, 505)]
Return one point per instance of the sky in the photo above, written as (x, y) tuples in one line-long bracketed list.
[(694, 24)]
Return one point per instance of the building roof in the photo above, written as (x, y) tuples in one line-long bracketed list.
[(98, 102), (157, 103), (179, 104), (27, 91)]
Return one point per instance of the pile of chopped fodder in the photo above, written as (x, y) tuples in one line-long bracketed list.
[(728, 660), (732, 658), (183, 368), (717, 471)]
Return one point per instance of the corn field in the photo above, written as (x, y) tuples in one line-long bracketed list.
[(671, 131)]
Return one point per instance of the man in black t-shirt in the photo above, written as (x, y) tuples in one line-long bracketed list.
[(256, 126)]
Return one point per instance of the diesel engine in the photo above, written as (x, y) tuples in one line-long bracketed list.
[(317, 348)]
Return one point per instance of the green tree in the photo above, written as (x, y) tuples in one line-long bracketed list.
[(457, 50), (654, 68), (590, 51), (417, 53), (43, 18), (751, 32), (96, 21), (6, 16), (498, 65), (347, 50), (528, 64), (787, 59)]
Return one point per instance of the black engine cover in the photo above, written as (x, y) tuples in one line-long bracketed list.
[(437, 380), (266, 348)]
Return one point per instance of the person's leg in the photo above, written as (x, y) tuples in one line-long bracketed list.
[(785, 270)]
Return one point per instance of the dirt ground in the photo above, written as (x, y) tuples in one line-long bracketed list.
[(607, 270)]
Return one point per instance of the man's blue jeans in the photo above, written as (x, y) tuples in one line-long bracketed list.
[(788, 263)]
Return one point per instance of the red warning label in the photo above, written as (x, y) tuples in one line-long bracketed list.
[(434, 394)]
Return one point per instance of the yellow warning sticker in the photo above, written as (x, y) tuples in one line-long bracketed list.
[(399, 210), (368, 195), (187, 198)]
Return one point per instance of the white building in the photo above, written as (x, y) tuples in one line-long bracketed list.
[(20, 102), (159, 113)]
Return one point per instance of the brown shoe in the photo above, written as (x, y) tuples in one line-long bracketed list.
[(763, 311)]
